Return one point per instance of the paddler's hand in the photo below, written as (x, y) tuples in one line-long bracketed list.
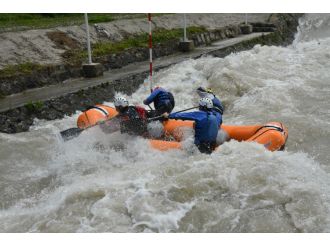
[(165, 115)]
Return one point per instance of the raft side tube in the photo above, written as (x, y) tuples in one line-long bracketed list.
[(95, 114), (272, 135), (174, 127), (240, 133)]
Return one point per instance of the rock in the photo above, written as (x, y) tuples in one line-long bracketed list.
[(22, 126)]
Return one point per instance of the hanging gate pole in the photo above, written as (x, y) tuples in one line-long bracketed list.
[(150, 52)]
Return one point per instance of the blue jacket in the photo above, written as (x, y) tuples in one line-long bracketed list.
[(217, 103), (217, 109), (218, 116), (159, 97), (206, 125)]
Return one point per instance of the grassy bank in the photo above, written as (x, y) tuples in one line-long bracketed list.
[(78, 56), (20, 69), (158, 36), (136, 41)]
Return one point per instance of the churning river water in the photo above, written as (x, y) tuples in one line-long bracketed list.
[(99, 183)]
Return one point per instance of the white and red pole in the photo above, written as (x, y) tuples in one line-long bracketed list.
[(150, 52)]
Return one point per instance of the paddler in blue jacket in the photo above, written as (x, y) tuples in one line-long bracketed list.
[(206, 125), (217, 105), (163, 101)]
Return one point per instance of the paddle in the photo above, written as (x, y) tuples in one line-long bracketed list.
[(71, 133), (161, 117), (74, 132)]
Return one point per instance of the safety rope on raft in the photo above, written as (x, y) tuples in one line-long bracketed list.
[(274, 127), (268, 128)]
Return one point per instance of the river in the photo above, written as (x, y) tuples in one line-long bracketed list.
[(100, 183)]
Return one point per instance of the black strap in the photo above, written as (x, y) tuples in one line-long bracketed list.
[(218, 109), (99, 108), (273, 127), (270, 126)]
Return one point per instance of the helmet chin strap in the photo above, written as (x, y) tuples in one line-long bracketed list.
[(203, 108), (121, 109)]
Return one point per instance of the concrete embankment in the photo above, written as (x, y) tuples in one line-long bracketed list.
[(66, 103)]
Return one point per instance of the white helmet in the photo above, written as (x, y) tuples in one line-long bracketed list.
[(120, 101), (206, 103)]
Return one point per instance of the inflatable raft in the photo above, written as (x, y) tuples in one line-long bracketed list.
[(272, 135)]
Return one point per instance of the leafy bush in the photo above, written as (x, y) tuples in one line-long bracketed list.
[(34, 106)]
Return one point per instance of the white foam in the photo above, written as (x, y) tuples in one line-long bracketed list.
[(116, 183)]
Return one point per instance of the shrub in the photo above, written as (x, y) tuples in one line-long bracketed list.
[(34, 106)]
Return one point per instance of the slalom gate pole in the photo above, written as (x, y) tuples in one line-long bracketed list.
[(88, 40), (150, 52)]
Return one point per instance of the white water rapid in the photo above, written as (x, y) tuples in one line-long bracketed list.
[(99, 183)]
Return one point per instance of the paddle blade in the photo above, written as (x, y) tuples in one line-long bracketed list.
[(70, 133)]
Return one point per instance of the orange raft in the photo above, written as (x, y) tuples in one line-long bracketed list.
[(272, 135)]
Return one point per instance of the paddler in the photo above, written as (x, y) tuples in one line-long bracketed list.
[(163, 101), (206, 125), (217, 105)]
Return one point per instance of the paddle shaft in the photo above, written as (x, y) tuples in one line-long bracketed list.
[(160, 117), (150, 108)]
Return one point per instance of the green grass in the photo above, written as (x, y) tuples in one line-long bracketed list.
[(34, 106), (24, 68), (15, 22), (159, 36)]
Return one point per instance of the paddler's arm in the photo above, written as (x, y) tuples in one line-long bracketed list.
[(151, 97), (185, 115)]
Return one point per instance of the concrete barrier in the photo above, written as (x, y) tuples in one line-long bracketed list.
[(93, 70), (186, 46)]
